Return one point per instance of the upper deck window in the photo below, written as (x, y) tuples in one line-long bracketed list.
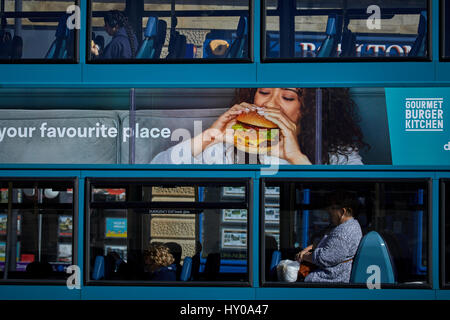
[(152, 31), (39, 31), (445, 29), (346, 30)]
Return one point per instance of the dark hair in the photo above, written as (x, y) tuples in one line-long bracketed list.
[(117, 18), (341, 199), (341, 134)]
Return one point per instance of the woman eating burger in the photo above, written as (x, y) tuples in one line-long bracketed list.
[(276, 125)]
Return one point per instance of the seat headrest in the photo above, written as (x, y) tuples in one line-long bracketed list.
[(62, 31), (242, 28), (331, 25), (161, 29), (422, 29), (152, 27)]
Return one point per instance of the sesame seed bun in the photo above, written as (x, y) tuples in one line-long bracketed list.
[(254, 119)]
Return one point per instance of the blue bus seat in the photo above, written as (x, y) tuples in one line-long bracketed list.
[(181, 46), (177, 46), (372, 250), (60, 48), (238, 47), (195, 270), (348, 44), (99, 268), (190, 51), (420, 45), (212, 266), (276, 258), (329, 45), (177, 42), (5, 44), (186, 270), (147, 49), (161, 38)]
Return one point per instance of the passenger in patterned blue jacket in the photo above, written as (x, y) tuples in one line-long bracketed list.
[(159, 263), (334, 254), (124, 43)]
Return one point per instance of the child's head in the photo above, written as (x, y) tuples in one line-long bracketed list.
[(158, 255)]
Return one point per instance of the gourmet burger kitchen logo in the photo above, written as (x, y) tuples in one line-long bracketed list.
[(424, 114)]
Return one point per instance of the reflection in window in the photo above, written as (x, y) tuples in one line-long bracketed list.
[(346, 29), (38, 30), (169, 30), (38, 244), (397, 211), (170, 232)]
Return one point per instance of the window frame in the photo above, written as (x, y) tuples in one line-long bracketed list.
[(248, 201), (273, 284), (43, 61), (443, 282), (264, 59), (442, 21), (75, 222), (248, 60)]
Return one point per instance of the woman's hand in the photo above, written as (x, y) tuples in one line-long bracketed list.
[(299, 256), (307, 257), (288, 147), (94, 48), (221, 130)]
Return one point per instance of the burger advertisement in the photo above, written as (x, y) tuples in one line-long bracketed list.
[(255, 134)]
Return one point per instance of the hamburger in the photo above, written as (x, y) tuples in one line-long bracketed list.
[(255, 134)]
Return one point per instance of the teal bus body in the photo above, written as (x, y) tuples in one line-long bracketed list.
[(18, 79)]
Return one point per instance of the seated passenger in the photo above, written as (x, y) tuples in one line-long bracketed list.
[(333, 255), (159, 262), (124, 44)]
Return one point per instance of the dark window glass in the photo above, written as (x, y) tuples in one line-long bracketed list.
[(337, 29), (445, 30), (169, 30), (311, 213), (39, 30), (170, 231), (445, 187), (38, 243)]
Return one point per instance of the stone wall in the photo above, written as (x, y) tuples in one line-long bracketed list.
[(178, 228)]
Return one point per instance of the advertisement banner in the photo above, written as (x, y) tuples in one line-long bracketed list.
[(268, 126), (418, 118)]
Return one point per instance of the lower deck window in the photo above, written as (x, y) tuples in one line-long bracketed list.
[(148, 231), (36, 229), (298, 214)]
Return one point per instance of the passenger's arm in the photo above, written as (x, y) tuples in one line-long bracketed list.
[(331, 252), (112, 51), (299, 256)]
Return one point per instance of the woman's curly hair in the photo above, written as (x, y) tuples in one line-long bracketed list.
[(341, 134), (117, 18), (158, 255)]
